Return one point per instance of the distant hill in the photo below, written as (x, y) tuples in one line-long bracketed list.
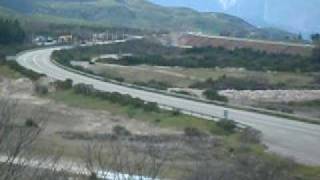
[(293, 15), (136, 14)]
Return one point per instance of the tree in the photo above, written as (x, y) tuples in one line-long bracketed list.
[(11, 32), (315, 37), (17, 142), (316, 53), (118, 162)]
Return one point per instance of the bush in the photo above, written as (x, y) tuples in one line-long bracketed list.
[(93, 176), (84, 89), (192, 132), (41, 89), (115, 97), (120, 131), (30, 123), (250, 135), (64, 85), (151, 107), (155, 84), (214, 95), (227, 125), (223, 83), (29, 73), (119, 79), (176, 112)]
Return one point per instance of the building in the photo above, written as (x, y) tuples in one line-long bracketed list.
[(63, 39)]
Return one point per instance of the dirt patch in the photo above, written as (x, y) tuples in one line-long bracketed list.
[(232, 43), (271, 95)]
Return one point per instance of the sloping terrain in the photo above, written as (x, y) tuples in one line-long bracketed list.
[(135, 14)]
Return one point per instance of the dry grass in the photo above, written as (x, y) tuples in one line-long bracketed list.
[(184, 77)]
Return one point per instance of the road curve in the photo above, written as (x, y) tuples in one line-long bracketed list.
[(298, 140)]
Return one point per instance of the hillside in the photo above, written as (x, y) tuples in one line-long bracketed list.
[(136, 14), (291, 15)]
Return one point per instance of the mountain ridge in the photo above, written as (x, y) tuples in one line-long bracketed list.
[(292, 15), (139, 14)]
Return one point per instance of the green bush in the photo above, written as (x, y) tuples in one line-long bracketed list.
[(84, 89), (29, 73), (41, 89), (11, 32), (155, 84), (30, 123), (176, 112), (115, 97), (120, 131), (214, 95), (236, 83), (227, 125), (192, 132), (151, 107), (250, 135), (64, 85)]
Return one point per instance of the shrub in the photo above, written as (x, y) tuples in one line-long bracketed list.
[(64, 85), (93, 176), (155, 84), (119, 79), (120, 131), (250, 135), (252, 83), (228, 125), (41, 89), (151, 106), (176, 112), (30, 123), (84, 89), (214, 95), (29, 73), (192, 132), (157, 121)]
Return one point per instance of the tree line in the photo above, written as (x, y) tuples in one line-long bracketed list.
[(152, 53), (11, 32), (208, 57)]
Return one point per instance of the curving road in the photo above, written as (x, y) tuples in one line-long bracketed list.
[(285, 137)]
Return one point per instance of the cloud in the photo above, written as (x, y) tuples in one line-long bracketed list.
[(226, 4)]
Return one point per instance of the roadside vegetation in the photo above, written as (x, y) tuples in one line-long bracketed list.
[(85, 96), (151, 53), (145, 52), (197, 148), (244, 145)]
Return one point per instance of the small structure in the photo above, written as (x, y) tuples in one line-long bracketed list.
[(63, 39), (44, 41)]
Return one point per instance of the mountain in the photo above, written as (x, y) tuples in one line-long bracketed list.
[(292, 15), (140, 14)]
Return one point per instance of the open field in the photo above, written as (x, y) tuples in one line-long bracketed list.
[(232, 43), (72, 121), (184, 77), (162, 119), (5, 71)]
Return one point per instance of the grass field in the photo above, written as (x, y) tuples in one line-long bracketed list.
[(5, 71), (165, 119), (184, 77)]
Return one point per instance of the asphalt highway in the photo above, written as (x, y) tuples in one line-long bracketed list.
[(289, 138)]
